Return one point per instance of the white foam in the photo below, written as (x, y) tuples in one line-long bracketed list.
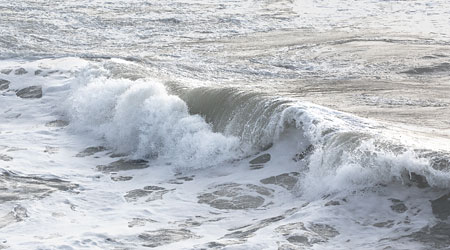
[(141, 118), (351, 153)]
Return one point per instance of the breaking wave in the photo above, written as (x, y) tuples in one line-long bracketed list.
[(202, 127), (141, 118)]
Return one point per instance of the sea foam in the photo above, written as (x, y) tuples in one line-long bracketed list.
[(142, 119)]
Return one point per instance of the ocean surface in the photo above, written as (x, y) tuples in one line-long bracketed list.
[(212, 124)]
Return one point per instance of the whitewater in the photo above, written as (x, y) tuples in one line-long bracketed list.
[(208, 124)]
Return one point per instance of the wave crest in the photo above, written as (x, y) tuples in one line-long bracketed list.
[(141, 118)]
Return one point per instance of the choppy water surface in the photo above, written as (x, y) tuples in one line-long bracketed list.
[(301, 124)]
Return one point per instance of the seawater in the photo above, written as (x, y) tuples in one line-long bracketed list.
[(224, 125)]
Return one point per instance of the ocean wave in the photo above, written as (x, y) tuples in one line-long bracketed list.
[(205, 126)]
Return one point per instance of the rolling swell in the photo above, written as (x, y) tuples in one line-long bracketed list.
[(202, 127)]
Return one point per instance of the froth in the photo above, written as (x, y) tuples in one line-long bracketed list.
[(351, 153), (142, 119)]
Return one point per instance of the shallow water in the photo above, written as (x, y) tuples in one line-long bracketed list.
[(224, 125)]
